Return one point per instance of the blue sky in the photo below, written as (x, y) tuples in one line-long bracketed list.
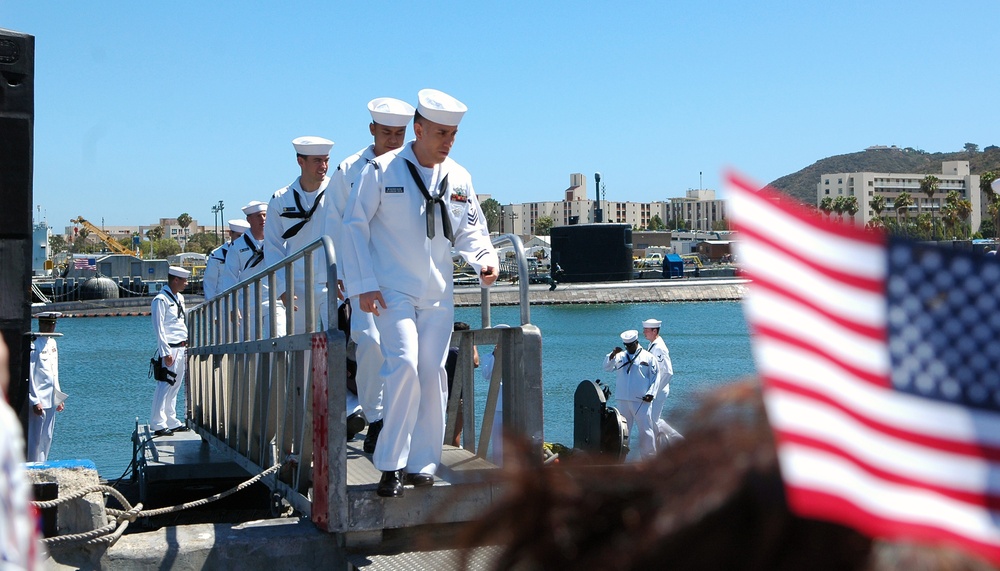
[(150, 109)]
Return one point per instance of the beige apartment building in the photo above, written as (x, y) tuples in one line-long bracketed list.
[(577, 207), (954, 175)]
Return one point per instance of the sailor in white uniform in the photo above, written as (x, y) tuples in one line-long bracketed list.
[(635, 387), (212, 280), (389, 120), (170, 328), (44, 394), (296, 217), (665, 434), (407, 211), (245, 260)]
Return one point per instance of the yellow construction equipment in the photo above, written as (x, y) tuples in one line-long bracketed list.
[(112, 244), (693, 258)]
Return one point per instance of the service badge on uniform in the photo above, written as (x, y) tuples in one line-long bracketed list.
[(459, 194)]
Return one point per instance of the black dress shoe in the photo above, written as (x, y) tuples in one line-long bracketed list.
[(181, 429), (371, 439), (390, 486), (355, 423), (420, 480), (163, 432)]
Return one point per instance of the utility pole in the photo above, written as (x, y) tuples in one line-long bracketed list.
[(217, 209)]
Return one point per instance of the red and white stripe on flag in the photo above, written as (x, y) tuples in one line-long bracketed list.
[(852, 448)]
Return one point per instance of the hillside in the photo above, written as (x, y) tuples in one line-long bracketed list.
[(802, 184)]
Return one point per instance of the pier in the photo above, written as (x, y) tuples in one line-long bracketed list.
[(275, 407)]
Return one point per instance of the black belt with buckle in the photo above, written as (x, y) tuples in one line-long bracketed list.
[(181, 344)]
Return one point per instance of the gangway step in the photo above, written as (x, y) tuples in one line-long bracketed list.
[(464, 487)]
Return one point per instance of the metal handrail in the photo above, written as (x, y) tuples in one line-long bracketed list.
[(252, 394), (522, 280)]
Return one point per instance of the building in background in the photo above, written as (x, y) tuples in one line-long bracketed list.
[(955, 175)]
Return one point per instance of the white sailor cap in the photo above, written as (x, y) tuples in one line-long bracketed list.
[(390, 112), (254, 207), (312, 146), (239, 226), (49, 315), (652, 323), (630, 336), (440, 107), (179, 272)]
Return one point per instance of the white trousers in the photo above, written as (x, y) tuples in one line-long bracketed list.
[(164, 413), (638, 413), (369, 358), (40, 429), (415, 336), (665, 434)]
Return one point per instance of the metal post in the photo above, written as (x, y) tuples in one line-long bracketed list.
[(597, 211)]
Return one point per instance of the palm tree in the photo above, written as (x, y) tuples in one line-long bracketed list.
[(826, 205), (851, 206), (929, 185), (964, 210), (902, 203), (986, 186), (878, 204), (838, 207)]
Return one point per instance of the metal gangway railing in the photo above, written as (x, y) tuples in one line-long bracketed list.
[(264, 400)]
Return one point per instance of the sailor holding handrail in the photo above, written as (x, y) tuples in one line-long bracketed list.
[(407, 211)]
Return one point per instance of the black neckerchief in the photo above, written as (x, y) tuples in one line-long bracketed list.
[(258, 253), (170, 294), (430, 200), (300, 214)]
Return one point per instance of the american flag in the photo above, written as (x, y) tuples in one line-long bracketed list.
[(880, 360), (85, 263)]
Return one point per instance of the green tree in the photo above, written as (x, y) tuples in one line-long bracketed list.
[(971, 148), (929, 185), (851, 206), (57, 244), (202, 242), (826, 205), (986, 186), (163, 248), (155, 233), (877, 203), (839, 204), (491, 209), (543, 225), (656, 223), (184, 220), (902, 204)]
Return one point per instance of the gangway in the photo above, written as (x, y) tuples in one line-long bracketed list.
[(265, 401)]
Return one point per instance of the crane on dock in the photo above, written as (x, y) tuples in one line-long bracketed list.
[(109, 241)]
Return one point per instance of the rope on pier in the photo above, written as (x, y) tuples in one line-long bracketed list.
[(118, 520)]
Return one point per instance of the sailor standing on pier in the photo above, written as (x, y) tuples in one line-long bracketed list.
[(407, 211), (170, 327), (665, 434), (635, 387), (389, 120), (212, 280), (44, 395), (295, 219)]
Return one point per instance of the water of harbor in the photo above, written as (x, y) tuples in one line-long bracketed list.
[(104, 362)]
